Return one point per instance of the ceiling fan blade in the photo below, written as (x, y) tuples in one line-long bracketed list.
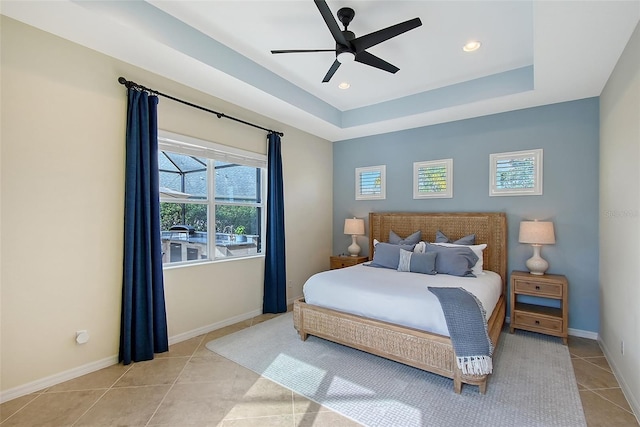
[(374, 61), (331, 71), (372, 39), (302, 51), (331, 22)]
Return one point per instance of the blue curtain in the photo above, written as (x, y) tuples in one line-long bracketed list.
[(275, 272), (143, 330)]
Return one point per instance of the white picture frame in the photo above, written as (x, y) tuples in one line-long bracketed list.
[(433, 179), (371, 183), (516, 173)]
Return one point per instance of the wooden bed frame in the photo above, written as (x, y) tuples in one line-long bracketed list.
[(420, 349)]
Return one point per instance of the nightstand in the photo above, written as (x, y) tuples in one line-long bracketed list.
[(538, 318), (342, 261)]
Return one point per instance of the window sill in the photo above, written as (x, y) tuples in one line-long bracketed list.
[(176, 265)]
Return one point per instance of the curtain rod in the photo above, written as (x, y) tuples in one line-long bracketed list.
[(129, 84)]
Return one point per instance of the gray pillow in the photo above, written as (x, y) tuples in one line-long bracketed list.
[(386, 255), (456, 261), (394, 239), (424, 263), (466, 240)]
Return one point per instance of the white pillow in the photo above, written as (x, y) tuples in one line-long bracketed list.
[(477, 249)]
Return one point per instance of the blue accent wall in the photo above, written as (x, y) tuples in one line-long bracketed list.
[(569, 135)]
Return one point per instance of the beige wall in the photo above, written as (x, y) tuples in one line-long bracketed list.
[(62, 154), (620, 219)]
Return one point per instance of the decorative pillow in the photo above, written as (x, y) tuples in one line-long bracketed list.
[(394, 239), (456, 261), (424, 263), (477, 249), (466, 240), (386, 255), (420, 247)]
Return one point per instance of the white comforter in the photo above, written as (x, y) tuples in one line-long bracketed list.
[(397, 297)]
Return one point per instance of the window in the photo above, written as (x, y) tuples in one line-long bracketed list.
[(370, 183), (433, 179), (211, 200), (517, 173)]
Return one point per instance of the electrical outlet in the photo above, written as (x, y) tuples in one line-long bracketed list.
[(622, 347)]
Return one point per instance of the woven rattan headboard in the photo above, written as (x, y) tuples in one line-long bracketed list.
[(489, 228)]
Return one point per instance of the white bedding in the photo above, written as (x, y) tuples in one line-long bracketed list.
[(397, 297)]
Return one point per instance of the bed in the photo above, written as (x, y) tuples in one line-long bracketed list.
[(412, 345)]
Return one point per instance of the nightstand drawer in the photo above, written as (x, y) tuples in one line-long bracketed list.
[(538, 288), (533, 321), (346, 261), (339, 263)]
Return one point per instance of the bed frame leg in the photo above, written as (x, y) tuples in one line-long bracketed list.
[(303, 335), (482, 387), (457, 380)]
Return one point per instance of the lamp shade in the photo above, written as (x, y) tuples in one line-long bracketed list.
[(537, 232), (354, 226)]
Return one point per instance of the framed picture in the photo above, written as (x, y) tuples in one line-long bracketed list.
[(433, 179), (517, 173), (371, 183)]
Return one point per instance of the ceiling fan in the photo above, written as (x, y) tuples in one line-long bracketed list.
[(351, 48)]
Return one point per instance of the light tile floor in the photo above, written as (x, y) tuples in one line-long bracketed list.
[(603, 402), (191, 386)]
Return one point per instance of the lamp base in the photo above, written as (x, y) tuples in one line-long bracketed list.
[(353, 249), (536, 264)]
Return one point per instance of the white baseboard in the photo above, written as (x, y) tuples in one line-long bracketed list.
[(55, 379), (212, 327), (583, 334), (633, 400), (70, 374)]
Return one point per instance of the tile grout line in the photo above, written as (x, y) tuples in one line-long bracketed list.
[(597, 366), (175, 381), (101, 396), (611, 401), (594, 390), (22, 407)]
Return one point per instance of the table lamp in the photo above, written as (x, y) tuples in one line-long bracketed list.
[(537, 233), (355, 227)]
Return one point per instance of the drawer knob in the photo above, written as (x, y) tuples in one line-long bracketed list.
[(537, 322), (537, 287)]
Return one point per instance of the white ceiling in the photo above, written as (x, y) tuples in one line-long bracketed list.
[(533, 53)]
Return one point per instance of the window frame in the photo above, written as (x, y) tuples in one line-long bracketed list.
[(381, 169), (448, 193), (537, 188), (212, 152)]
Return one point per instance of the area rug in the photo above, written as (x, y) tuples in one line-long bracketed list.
[(533, 383)]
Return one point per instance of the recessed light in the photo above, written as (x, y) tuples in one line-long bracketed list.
[(471, 46), (344, 85)]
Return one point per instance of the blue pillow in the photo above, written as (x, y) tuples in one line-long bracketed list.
[(456, 261), (466, 240), (424, 263), (394, 239), (386, 255)]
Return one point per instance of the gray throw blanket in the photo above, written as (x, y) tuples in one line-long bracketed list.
[(467, 323)]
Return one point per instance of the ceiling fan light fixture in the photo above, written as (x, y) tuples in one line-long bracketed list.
[(472, 46), (344, 86), (346, 57)]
